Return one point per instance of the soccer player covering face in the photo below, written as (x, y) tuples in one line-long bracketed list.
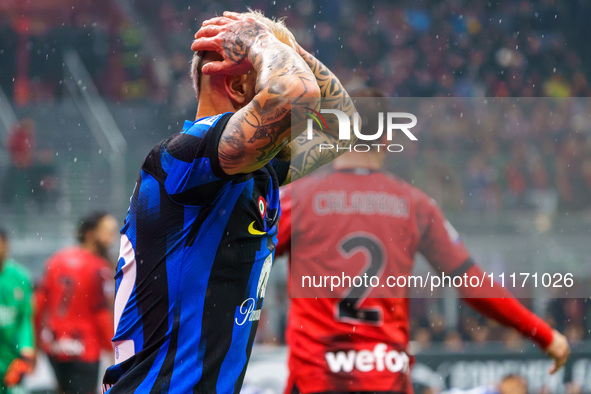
[(355, 344), (199, 237)]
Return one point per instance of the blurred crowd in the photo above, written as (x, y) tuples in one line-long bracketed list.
[(424, 48), (31, 179), (442, 49), (35, 37), (415, 49), (511, 154), (429, 327)]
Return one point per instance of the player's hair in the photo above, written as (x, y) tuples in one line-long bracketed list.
[(367, 109), (89, 223), (513, 376), (277, 26), (3, 234)]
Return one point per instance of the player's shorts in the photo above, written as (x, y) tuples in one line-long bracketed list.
[(76, 377)]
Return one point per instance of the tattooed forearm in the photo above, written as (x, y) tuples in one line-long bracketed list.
[(333, 93), (307, 156), (234, 148), (262, 128)]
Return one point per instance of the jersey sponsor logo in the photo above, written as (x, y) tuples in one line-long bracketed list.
[(368, 360), (248, 312), (247, 309), (7, 315), (68, 347), (254, 231)]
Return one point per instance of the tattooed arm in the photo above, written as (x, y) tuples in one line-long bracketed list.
[(258, 131), (306, 153)]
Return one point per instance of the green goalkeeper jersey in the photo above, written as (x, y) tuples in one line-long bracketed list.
[(16, 322)]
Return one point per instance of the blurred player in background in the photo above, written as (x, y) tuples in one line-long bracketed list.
[(198, 241), (358, 344), (20, 146), (74, 299), (17, 355)]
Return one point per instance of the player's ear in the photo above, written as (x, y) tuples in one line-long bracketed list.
[(240, 88)]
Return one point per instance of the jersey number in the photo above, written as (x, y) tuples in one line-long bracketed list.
[(348, 307), (68, 288)]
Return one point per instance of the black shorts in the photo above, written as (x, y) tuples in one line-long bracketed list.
[(76, 377)]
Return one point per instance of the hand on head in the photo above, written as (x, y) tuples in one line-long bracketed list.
[(231, 36)]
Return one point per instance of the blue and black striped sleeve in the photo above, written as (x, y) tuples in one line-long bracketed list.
[(190, 163)]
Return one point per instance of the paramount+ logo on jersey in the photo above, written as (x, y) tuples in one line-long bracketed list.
[(378, 359), (377, 133)]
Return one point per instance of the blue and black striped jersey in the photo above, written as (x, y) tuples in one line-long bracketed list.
[(196, 250)]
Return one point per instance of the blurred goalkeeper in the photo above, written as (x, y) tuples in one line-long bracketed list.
[(356, 213), (17, 355)]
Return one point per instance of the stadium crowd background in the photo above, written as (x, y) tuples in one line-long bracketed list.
[(137, 54), (421, 49)]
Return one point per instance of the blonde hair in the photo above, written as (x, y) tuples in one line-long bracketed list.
[(277, 27)]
